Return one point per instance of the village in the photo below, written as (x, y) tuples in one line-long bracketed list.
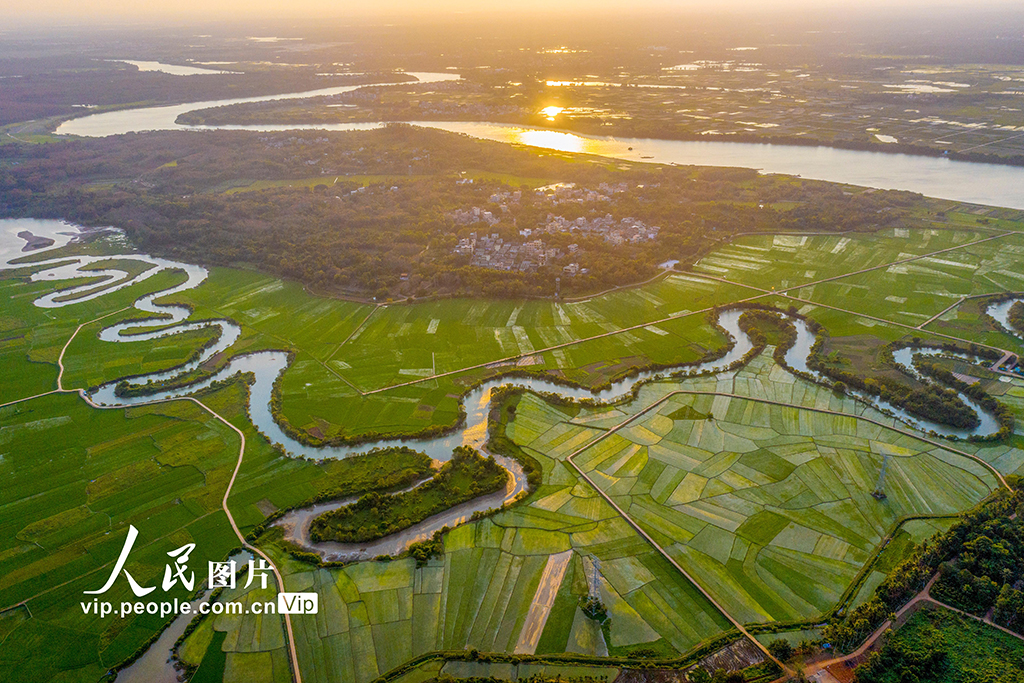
[(496, 253)]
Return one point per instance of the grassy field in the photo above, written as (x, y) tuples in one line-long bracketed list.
[(400, 344), (336, 352), (912, 293), (35, 335), (67, 511), (785, 261)]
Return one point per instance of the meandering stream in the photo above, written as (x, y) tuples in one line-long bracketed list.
[(267, 366)]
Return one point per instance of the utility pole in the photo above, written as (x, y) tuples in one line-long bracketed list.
[(879, 491), (594, 578)]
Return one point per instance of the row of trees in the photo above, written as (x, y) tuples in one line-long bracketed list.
[(63, 83), (930, 401), (973, 391)]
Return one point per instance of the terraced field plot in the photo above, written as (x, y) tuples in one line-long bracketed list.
[(247, 648), (479, 595)]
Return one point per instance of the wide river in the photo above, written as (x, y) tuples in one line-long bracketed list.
[(992, 184)]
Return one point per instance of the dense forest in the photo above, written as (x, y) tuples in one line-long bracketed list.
[(369, 213), (987, 572)]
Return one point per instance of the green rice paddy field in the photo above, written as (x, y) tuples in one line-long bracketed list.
[(767, 506)]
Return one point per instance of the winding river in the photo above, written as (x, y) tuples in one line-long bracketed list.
[(267, 366), (990, 184), (978, 183)]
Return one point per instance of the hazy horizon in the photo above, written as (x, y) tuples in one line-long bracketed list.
[(70, 13)]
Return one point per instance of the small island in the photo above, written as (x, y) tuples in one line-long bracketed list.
[(466, 476)]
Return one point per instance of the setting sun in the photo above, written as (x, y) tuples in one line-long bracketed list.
[(551, 112)]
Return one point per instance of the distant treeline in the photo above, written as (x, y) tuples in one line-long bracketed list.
[(658, 130)]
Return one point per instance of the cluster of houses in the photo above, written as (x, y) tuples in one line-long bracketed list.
[(473, 215), (568, 193), (624, 231), (491, 251)]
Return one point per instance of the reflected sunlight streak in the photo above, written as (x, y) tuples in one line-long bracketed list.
[(562, 142)]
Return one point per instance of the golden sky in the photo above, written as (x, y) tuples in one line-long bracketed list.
[(198, 11)]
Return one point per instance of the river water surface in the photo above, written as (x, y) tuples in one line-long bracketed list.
[(991, 184)]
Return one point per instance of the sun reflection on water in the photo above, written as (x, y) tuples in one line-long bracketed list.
[(549, 139)]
